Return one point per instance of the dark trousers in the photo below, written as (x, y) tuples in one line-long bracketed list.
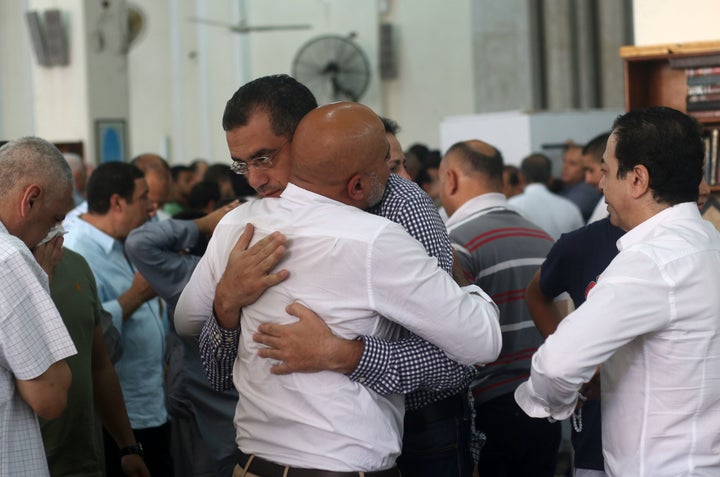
[(517, 445), (156, 446), (440, 448)]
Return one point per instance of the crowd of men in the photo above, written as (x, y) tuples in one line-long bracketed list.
[(340, 324)]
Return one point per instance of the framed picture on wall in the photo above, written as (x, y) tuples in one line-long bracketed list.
[(110, 140)]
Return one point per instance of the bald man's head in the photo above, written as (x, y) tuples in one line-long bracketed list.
[(469, 169), (339, 150)]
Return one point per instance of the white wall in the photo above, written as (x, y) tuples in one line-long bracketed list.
[(517, 134), (436, 79), (183, 72), (16, 93), (675, 21), (180, 73)]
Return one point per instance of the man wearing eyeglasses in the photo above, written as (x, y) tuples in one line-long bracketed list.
[(260, 121)]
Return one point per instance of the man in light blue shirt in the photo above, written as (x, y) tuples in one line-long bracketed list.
[(118, 203)]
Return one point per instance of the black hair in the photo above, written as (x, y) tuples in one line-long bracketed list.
[(391, 127), (202, 194), (283, 98), (108, 179), (669, 144), (513, 177), (536, 168), (176, 170), (596, 147)]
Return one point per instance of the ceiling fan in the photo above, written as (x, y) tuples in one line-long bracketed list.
[(243, 27)]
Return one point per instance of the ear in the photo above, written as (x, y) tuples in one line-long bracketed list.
[(355, 189), (451, 181), (31, 198), (639, 181), (116, 203)]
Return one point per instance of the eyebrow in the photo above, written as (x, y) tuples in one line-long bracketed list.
[(259, 153)]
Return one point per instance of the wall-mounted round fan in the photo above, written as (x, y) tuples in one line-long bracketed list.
[(333, 67)]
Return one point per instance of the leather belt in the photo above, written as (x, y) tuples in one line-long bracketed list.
[(265, 468), (452, 407)]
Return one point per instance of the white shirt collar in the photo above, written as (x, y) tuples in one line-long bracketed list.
[(484, 201), (640, 232)]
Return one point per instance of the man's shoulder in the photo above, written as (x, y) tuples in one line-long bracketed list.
[(16, 258), (11, 246), (73, 260), (404, 197), (402, 188)]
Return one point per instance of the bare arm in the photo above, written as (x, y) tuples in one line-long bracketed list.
[(542, 308), (110, 405), (139, 292), (47, 394)]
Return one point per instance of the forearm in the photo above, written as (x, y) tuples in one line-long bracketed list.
[(129, 303), (403, 366), (542, 308), (218, 350), (110, 406)]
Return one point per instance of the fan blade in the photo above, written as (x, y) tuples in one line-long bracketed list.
[(248, 29), (243, 28), (213, 22)]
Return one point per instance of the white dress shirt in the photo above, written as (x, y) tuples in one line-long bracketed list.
[(352, 268), (653, 323), (556, 215)]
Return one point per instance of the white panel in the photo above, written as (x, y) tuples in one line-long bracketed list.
[(675, 21), (518, 134), (508, 131)]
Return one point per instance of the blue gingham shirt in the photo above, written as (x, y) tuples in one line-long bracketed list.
[(409, 366)]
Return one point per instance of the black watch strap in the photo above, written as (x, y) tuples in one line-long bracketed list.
[(136, 449)]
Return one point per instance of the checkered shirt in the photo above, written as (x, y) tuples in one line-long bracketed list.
[(32, 338)]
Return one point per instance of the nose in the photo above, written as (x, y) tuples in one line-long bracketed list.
[(601, 184), (256, 177)]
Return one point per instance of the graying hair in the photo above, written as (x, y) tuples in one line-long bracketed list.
[(32, 159)]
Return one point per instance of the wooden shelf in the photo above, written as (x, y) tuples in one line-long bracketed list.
[(650, 80)]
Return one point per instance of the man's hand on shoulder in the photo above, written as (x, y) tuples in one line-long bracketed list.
[(248, 274), (307, 345)]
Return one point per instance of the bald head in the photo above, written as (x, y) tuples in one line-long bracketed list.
[(339, 150), (149, 161), (469, 169), (478, 159), (158, 182)]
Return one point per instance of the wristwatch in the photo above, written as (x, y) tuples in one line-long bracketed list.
[(136, 449)]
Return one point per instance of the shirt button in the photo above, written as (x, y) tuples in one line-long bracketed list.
[(362, 379), (217, 336)]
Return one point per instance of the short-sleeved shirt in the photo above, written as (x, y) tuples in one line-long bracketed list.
[(70, 440), (32, 338)]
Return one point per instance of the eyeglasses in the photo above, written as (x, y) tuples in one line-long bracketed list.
[(242, 168)]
